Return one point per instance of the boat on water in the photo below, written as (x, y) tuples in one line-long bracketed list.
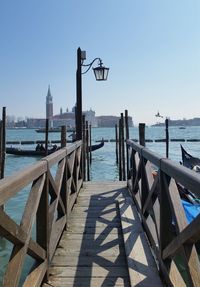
[(54, 130), (96, 146), (190, 161), (41, 152), (190, 202), (31, 152)]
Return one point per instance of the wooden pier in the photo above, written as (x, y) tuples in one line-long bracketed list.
[(92, 252), (123, 233)]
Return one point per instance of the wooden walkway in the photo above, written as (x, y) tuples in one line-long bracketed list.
[(91, 252)]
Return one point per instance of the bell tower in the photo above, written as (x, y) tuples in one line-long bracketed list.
[(49, 106)]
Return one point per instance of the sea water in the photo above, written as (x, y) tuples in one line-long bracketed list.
[(103, 166)]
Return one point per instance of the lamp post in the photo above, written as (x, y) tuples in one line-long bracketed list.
[(101, 74), (166, 132)]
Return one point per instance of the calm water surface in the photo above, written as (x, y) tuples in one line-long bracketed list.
[(103, 165)]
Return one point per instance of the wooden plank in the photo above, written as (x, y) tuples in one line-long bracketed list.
[(91, 230), (92, 247), (80, 236), (12, 184), (79, 260), (34, 279), (15, 264), (87, 271), (141, 265), (89, 282), (56, 232)]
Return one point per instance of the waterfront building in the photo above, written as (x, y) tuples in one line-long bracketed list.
[(111, 121)]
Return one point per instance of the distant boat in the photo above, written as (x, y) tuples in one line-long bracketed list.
[(96, 146), (29, 152), (34, 152), (54, 130), (182, 128)]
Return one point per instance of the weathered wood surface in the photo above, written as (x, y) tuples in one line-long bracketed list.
[(91, 250), (141, 264), (49, 203), (175, 241)]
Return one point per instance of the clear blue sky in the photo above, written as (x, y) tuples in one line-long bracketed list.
[(151, 46)]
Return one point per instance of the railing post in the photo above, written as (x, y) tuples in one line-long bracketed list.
[(166, 232), (42, 222)]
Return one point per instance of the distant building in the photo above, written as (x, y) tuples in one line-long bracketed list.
[(111, 121), (68, 118), (35, 123), (49, 107), (90, 117)]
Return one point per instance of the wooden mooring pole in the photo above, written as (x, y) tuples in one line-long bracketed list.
[(123, 149), (142, 134), (87, 151), (63, 136), (46, 136), (127, 137), (167, 136), (90, 136), (2, 144), (84, 149), (117, 144), (120, 151)]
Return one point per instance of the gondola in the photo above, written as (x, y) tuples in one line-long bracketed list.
[(191, 203), (189, 161), (29, 152), (34, 152), (96, 146)]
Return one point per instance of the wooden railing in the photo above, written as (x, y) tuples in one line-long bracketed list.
[(50, 200), (152, 181)]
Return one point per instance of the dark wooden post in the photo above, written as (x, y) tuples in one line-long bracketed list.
[(117, 144), (90, 136), (167, 137), (84, 150), (46, 136), (87, 151), (127, 137), (142, 134), (42, 222), (3, 142), (63, 136), (120, 151), (123, 149), (78, 97)]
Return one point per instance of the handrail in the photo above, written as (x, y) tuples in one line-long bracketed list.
[(50, 201), (154, 184)]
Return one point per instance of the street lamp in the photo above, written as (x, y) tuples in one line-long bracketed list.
[(101, 74)]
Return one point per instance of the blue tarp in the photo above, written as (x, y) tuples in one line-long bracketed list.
[(191, 210)]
